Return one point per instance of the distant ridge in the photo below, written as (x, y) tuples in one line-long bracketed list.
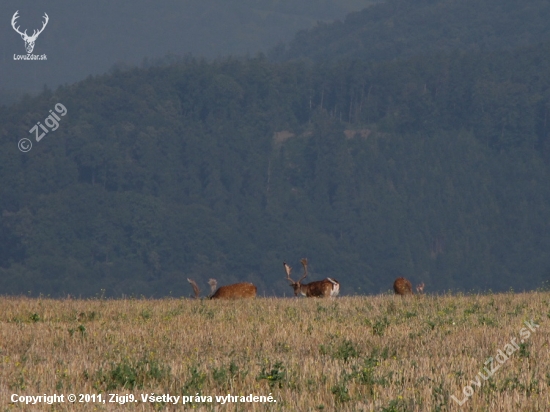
[(88, 38), (402, 28)]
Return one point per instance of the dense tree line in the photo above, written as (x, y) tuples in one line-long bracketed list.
[(398, 29), (432, 168)]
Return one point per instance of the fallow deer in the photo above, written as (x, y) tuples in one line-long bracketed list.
[(235, 291), (322, 288), (402, 286)]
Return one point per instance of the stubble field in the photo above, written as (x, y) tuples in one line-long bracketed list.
[(381, 353)]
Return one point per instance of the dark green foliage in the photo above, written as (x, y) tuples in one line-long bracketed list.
[(88, 316), (365, 374), (435, 166), (203, 310), (220, 376), (380, 326), (35, 317), (130, 375), (524, 350), (441, 397), (395, 29), (224, 376), (341, 392), (345, 351), (275, 375), (396, 405), (195, 382)]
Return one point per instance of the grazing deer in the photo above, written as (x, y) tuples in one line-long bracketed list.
[(322, 288), (29, 40), (235, 291), (403, 287)]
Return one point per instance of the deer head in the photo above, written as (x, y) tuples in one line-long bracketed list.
[(29, 40), (420, 288), (213, 286), (297, 286)]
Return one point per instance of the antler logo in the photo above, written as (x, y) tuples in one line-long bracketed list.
[(29, 40)]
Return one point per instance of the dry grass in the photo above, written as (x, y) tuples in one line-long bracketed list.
[(381, 353)]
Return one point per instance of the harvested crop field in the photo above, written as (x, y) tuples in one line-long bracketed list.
[(382, 353)]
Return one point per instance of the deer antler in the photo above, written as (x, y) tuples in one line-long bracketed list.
[(288, 269), (195, 288), (35, 33), (13, 19), (304, 264), (213, 284)]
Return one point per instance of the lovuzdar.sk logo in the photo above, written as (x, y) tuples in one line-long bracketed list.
[(29, 40)]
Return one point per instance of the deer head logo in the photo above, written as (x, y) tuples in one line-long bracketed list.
[(29, 40)]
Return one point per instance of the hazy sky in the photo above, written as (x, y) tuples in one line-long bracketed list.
[(83, 38)]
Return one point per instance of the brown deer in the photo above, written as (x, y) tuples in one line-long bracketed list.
[(321, 289), (235, 291), (402, 286)]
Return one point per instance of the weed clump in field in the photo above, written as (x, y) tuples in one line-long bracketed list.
[(130, 375)]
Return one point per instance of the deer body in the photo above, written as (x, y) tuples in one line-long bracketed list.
[(236, 291), (320, 289), (403, 287)]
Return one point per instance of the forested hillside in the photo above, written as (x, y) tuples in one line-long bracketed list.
[(434, 168), (403, 28)]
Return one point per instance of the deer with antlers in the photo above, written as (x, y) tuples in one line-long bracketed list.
[(235, 291), (403, 287), (29, 40), (322, 288)]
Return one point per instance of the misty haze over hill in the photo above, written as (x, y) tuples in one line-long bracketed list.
[(89, 37)]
